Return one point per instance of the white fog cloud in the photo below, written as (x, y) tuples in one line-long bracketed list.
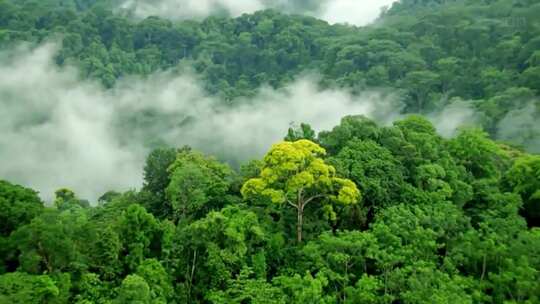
[(356, 12), (59, 131), (521, 127), (191, 9), (56, 130), (458, 113)]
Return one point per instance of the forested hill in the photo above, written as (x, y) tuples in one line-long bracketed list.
[(363, 212), (434, 52), (382, 215)]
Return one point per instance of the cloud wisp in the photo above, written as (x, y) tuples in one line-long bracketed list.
[(520, 127), (353, 12), (456, 114)]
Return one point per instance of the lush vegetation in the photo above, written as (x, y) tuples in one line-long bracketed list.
[(361, 213), (358, 214)]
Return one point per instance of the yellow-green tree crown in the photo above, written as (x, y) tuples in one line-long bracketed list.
[(292, 169)]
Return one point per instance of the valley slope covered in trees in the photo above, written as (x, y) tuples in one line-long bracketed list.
[(416, 210)]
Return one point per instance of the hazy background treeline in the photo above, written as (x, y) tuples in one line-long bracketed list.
[(433, 52)]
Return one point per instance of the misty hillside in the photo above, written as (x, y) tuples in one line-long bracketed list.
[(269, 152)]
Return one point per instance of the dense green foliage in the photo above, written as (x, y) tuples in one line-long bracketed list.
[(362, 213), (393, 214)]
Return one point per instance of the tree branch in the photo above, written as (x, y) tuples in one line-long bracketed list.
[(309, 200), (290, 203)]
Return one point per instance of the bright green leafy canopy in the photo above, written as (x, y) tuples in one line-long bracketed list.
[(295, 174)]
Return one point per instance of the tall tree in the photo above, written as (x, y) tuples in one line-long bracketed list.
[(198, 184), (295, 174)]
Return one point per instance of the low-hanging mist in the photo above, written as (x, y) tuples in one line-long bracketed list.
[(520, 127), (334, 11), (60, 131)]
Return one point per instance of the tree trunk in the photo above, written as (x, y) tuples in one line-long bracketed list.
[(483, 268), (299, 224), (192, 274)]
